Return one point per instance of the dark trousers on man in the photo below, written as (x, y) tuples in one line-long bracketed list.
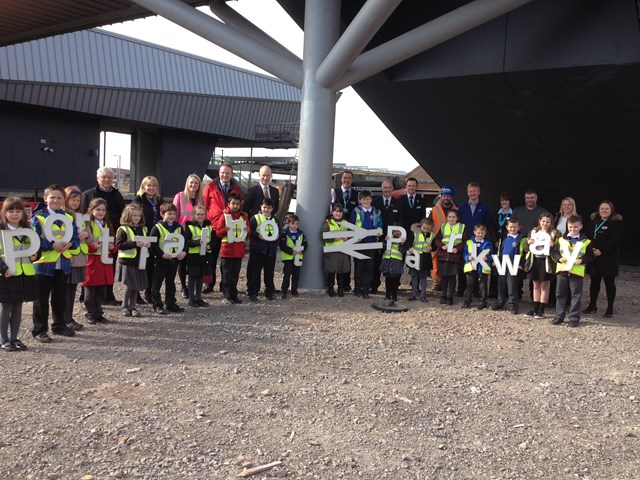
[(363, 273), (55, 287), (257, 263), (165, 272), (230, 274), (477, 281), (290, 272), (568, 291)]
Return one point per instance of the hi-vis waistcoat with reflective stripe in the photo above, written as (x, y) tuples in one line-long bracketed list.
[(196, 234), (51, 256), (420, 241), (291, 245), (467, 266), (96, 230), (447, 230), (261, 218), (163, 236), (236, 231), (133, 253), (576, 269), (23, 264), (82, 247), (360, 213), (333, 225), (394, 252)]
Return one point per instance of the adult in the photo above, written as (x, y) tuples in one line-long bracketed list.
[(528, 213), (567, 209), (413, 204), (149, 199), (259, 192), (391, 213), (115, 205), (441, 207), (348, 198), (184, 202), (216, 195), (472, 213), (345, 195), (605, 231)]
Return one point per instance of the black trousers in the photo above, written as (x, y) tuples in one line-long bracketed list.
[(94, 298), (54, 287), (363, 274), (477, 281), (291, 272), (165, 272), (230, 275), (257, 263), (508, 289)]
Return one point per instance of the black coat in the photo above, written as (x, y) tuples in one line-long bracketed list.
[(253, 200), (114, 199), (607, 240), (147, 211)]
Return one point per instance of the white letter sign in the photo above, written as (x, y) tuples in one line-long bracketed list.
[(237, 229), (11, 255)]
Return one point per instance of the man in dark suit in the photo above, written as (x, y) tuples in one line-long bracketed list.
[(345, 195), (391, 212), (413, 205), (257, 193)]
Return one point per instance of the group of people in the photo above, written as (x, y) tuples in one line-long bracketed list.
[(150, 242), (470, 251)]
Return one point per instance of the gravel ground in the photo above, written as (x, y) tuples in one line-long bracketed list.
[(331, 388)]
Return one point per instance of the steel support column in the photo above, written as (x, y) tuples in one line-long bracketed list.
[(317, 125)]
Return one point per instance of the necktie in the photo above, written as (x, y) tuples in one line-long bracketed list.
[(386, 203), (410, 201), (266, 192), (347, 194), (225, 189)]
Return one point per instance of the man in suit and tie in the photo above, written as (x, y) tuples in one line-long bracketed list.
[(345, 195), (391, 212), (413, 204), (215, 196), (259, 192)]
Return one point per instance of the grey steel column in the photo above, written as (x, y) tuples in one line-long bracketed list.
[(317, 125)]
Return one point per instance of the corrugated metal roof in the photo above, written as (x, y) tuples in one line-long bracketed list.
[(111, 75)]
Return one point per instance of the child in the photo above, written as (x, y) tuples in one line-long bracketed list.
[(335, 263), (539, 266), (391, 267), (262, 254), (367, 217), (165, 266), (99, 274), (570, 277), (53, 266), (16, 286), (448, 261), (480, 274), (510, 246), (129, 273), (197, 265), (290, 238), (79, 256), (232, 253), (422, 239)]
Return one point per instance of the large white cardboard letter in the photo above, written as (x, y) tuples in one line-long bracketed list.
[(48, 228), (350, 246), (105, 239), (173, 240), (506, 262), (296, 258), (391, 239), (269, 230), (452, 238), (569, 255), (11, 255), (142, 261), (238, 229), (479, 258), (541, 243)]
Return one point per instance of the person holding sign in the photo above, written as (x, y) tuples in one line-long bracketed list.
[(508, 264), (450, 242), (262, 252), (18, 284), (392, 266), (477, 266), (572, 253), (292, 244), (168, 250), (58, 235), (335, 264), (232, 229), (422, 241), (130, 252), (199, 239), (538, 262), (100, 275), (367, 217)]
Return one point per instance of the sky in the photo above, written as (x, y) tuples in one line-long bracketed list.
[(361, 139)]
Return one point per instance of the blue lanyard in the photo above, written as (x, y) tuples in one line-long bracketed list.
[(595, 232)]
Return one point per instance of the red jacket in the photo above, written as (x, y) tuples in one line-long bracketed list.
[(215, 201), (235, 249)]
